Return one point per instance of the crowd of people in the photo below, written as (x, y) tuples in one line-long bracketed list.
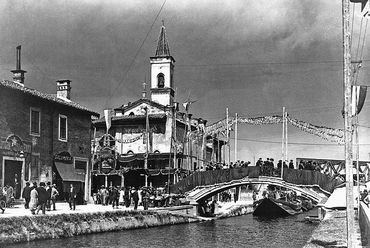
[(40, 197), (126, 196)]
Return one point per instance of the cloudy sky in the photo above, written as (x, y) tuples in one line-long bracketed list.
[(253, 57)]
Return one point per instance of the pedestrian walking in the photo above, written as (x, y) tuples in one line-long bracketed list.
[(127, 197), (115, 196), (72, 197), (3, 199), (121, 200), (26, 195), (42, 198), (135, 198), (33, 198), (48, 201), (53, 195)]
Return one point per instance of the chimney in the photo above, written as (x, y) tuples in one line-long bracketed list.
[(64, 89), (18, 73)]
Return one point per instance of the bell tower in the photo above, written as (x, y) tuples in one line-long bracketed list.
[(162, 70)]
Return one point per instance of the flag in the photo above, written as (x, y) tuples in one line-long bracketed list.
[(107, 116), (187, 104), (358, 98)]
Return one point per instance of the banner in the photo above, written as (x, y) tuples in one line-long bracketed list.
[(131, 140)]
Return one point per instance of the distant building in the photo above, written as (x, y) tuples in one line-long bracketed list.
[(44, 137), (148, 141)]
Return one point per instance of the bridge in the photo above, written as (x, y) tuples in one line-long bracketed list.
[(202, 185)]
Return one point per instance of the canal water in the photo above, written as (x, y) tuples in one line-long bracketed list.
[(241, 231)]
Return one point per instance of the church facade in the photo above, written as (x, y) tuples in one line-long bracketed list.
[(150, 141)]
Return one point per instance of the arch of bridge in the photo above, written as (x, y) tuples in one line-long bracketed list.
[(203, 192)]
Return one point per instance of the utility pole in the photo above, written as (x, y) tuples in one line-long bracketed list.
[(228, 135), (283, 145), (348, 121), (146, 144), (236, 137)]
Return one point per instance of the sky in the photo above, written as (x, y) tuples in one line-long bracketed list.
[(252, 57)]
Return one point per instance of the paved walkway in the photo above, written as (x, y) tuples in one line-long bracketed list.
[(63, 208)]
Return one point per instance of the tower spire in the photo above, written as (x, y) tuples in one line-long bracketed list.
[(163, 49)]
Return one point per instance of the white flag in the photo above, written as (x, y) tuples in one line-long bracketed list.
[(107, 118)]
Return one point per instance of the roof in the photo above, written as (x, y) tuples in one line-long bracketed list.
[(45, 96), (140, 101), (131, 117), (163, 50)]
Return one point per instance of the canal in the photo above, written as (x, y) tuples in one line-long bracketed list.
[(241, 231)]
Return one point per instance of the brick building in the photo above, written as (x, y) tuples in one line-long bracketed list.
[(44, 137)]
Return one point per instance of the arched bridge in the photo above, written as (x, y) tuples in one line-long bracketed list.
[(204, 184)]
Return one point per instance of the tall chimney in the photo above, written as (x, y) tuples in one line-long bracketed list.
[(18, 73), (64, 89)]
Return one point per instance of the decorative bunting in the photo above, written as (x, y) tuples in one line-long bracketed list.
[(330, 134)]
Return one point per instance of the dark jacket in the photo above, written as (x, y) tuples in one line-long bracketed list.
[(135, 196), (43, 195), (72, 195), (26, 192)]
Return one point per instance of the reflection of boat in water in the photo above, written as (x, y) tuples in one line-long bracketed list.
[(275, 208)]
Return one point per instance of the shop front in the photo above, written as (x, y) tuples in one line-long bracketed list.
[(65, 173), (13, 171)]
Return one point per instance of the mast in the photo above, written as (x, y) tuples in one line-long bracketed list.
[(283, 144), (228, 134), (286, 137), (236, 137)]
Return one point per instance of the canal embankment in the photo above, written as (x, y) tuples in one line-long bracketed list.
[(15, 229), (332, 231)]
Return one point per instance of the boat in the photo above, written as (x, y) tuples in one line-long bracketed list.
[(276, 208)]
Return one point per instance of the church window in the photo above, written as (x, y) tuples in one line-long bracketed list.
[(160, 78), (131, 114)]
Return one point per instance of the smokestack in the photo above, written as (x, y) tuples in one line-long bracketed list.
[(18, 73), (64, 89)]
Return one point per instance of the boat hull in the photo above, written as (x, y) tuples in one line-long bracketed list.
[(269, 207)]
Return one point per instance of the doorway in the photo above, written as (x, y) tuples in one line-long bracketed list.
[(12, 175)]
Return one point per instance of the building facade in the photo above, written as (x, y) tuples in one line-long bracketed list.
[(149, 141), (44, 137)]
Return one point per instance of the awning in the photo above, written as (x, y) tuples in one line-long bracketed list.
[(68, 172)]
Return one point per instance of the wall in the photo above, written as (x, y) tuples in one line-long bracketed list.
[(27, 228)]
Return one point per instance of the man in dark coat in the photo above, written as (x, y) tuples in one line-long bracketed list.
[(127, 197), (115, 197), (72, 197), (135, 198), (42, 198), (26, 195)]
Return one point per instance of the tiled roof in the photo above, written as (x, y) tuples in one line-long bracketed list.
[(162, 48), (46, 96), (131, 117)]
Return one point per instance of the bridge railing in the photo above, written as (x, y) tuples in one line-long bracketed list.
[(309, 177), (202, 178), (298, 177)]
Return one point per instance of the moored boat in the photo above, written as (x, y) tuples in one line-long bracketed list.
[(275, 208)]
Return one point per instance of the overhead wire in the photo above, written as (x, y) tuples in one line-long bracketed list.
[(137, 52)]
